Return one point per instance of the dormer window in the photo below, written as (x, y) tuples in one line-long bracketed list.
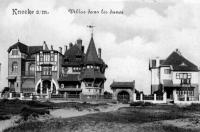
[(15, 52)]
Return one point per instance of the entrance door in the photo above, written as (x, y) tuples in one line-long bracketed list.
[(123, 97), (169, 94), (46, 86)]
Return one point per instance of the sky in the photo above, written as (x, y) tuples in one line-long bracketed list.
[(146, 29)]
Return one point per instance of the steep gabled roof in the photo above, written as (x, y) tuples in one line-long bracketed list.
[(73, 56), (179, 63), (22, 47), (73, 51), (91, 54), (34, 49)]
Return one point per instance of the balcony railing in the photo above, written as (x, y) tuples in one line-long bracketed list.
[(185, 81), (27, 73)]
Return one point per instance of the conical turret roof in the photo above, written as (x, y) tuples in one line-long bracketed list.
[(91, 54)]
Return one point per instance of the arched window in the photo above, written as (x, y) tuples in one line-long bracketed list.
[(14, 67), (32, 69)]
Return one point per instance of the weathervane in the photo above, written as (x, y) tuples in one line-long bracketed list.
[(92, 29)]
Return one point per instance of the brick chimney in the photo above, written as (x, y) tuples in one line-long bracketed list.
[(99, 52), (65, 48), (60, 49), (44, 45), (157, 61), (82, 49), (70, 45), (79, 43)]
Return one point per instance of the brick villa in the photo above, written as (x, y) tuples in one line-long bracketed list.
[(41, 70)]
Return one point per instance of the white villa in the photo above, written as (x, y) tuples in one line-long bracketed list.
[(176, 76)]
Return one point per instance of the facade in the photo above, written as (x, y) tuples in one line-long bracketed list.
[(43, 71), (123, 91), (176, 76)]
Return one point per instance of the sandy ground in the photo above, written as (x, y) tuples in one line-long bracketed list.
[(66, 113), (8, 123)]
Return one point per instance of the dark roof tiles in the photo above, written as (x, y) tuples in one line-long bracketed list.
[(179, 63), (122, 85)]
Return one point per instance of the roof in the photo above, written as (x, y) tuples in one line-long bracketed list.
[(123, 85), (25, 49), (70, 78), (34, 49), (22, 47), (91, 56), (73, 51), (73, 56), (91, 73), (179, 63)]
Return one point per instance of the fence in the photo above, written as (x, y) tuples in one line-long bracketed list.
[(150, 98)]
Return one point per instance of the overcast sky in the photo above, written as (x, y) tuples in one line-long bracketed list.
[(148, 28)]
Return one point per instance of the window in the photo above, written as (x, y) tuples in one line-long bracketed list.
[(31, 69), (177, 75), (41, 57), (167, 71), (14, 67), (52, 57), (46, 70), (183, 75), (15, 52)]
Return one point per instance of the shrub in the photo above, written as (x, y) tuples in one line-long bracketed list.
[(26, 112), (141, 103)]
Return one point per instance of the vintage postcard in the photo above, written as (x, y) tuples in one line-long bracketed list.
[(100, 65)]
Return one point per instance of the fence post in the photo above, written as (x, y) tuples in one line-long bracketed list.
[(10, 95), (141, 97), (0, 94), (31, 96), (154, 97), (165, 97), (134, 97), (185, 97), (21, 96), (199, 97)]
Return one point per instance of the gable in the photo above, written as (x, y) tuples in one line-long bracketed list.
[(179, 63)]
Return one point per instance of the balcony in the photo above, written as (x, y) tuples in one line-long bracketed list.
[(46, 76), (27, 74), (186, 82)]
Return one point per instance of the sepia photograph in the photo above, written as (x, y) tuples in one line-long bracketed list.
[(99, 66)]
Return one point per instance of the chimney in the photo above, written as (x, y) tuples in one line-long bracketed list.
[(70, 45), (82, 49), (51, 47), (157, 62), (99, 52), (177, 51), (44, 45), (79, 43), (60, 49), (65, 48)]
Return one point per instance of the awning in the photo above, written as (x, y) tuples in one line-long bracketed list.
[(11, 77)]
